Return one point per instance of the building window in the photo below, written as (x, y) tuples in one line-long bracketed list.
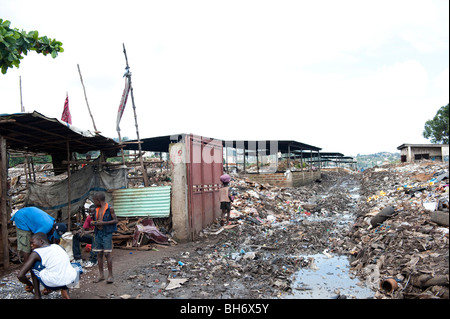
[(418, 157)]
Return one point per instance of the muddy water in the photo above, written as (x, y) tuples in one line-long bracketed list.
[(329, 276)]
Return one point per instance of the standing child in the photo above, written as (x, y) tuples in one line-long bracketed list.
[(105, 222), (225, 198)]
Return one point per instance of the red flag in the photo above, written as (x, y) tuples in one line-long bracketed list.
[(66, 117), (123, 102)]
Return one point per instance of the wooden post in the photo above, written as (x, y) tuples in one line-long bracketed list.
[(69, 199), (320, 160), (288, 163), (257, 157), (85, 97), (25, 169), (22, 109), (128, 75), (3, 199), (245, 170)]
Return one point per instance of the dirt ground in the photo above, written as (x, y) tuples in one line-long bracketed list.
[(126, 263), (275, 231), (249, 260), (137, 274)]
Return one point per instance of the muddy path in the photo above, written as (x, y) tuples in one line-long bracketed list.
[(250, 260), (309, 242)]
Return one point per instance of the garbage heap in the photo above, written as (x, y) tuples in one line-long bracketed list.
[(399, 242), (272, 231)]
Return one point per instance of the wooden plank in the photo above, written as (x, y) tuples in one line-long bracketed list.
[(3, 208)]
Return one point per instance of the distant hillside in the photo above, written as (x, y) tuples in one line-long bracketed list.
[(377, 159)]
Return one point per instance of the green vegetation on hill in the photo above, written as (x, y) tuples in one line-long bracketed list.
[(377, 159)]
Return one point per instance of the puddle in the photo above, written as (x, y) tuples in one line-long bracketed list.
[(327, 278)]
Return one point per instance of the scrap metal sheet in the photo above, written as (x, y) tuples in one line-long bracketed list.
[(152, 202)]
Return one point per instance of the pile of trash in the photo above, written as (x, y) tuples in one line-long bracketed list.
[(390, 221), (266, 204), (401, 233), (256, 255)]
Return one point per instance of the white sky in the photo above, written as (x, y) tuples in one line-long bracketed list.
[(347, 76)]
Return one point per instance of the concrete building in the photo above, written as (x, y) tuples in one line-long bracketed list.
[(417, 152)]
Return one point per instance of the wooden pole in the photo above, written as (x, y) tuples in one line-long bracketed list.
[(25, 169), (3, 198), (245, 168), (85, 97), (69, 199), (121, 148), (22, 109), (288, 163), (301, 159), (128, 75)]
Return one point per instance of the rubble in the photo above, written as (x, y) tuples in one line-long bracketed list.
[(409, 246), (273, 231)]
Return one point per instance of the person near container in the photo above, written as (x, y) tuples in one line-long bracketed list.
[(105, 222), (49, 264), (225, 198), (85, 235)]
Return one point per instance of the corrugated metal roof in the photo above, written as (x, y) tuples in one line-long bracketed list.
[(35, 132), (153, 202)]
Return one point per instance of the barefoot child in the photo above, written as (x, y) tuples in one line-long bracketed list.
[(225, 198), (105, 222)]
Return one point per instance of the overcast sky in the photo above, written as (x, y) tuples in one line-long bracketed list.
[(346, 76)]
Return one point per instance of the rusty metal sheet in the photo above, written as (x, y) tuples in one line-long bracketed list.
[(152, 202), (204, 168)]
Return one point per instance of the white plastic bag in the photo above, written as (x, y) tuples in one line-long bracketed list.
[(66, 243)]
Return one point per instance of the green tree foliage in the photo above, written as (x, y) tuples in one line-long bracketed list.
[(14, 161), (436, 130), (14, 44)]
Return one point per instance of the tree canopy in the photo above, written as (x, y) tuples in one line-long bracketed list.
[(436, 130), (14, 44)]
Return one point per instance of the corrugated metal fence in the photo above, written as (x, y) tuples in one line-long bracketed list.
[(153, 202)]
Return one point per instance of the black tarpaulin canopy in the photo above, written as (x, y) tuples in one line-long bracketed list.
[(35, 132), (284, 146), (155, 144)]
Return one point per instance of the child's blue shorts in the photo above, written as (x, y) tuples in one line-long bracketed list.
[(102, 242)]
